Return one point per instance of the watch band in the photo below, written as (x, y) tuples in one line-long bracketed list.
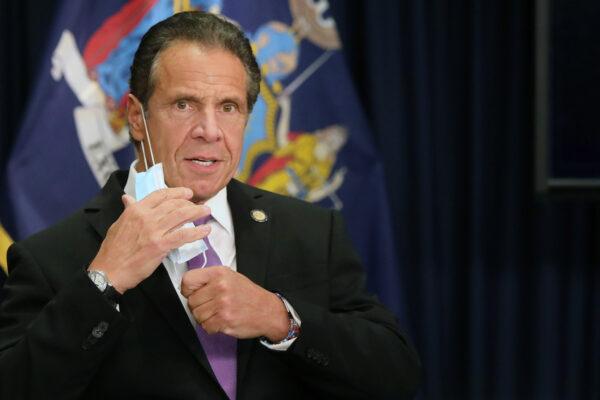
[(100, 279), (294, 327)]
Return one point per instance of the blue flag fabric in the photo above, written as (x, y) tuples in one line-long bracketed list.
[(307, 136)]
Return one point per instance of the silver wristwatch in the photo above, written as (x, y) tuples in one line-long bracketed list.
[(101, 281)]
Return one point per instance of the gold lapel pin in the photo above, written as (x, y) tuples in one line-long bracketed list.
[(259, 215)]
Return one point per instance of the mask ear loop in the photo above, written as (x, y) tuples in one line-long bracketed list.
[(144, 155), (149, 143)]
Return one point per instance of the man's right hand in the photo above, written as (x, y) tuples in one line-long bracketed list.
[(144, 234)]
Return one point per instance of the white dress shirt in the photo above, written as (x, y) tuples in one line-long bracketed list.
[(222, 239)]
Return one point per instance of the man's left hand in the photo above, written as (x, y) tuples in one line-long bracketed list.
[(226, 301)]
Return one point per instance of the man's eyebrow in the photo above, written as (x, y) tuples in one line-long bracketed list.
[(185, 96), (232, 99), (221, 99)]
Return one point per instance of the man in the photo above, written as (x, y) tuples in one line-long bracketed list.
[(97, 307)]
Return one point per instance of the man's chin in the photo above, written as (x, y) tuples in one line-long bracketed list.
[(201, 195)]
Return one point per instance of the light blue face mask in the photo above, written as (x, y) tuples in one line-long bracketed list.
[(149, 181), (153, 179)]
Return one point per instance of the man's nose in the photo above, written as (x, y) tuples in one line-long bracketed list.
[(207, 126)]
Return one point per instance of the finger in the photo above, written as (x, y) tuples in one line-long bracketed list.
[(208, 284), (191, 283), (179, 215), (203, 315), (194, 279), (178, 237), (212, 325), (188, 290), (212, 321), (198, 296), (156, 198), (127, 200), (170, 205)]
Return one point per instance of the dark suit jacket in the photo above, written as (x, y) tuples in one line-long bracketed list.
[(60, 339)]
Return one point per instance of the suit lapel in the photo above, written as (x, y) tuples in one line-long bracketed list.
[(101, 213), (252, 248), (159, 289), (105, 209), (251, 237)]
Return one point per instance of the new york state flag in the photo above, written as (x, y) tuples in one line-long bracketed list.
[(307, 136)]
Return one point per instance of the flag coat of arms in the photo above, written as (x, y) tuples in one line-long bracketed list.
[(307, 136)]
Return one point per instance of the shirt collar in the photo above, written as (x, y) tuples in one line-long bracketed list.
[(220, 211), (130, 185), (218, 204)]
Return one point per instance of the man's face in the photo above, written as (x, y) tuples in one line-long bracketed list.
[(196, 117)]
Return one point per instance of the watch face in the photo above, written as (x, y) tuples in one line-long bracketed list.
[(98, 279)]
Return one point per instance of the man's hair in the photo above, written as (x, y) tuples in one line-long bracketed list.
[(207, 30)]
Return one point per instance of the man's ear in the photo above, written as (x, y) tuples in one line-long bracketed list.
[(134, 116)]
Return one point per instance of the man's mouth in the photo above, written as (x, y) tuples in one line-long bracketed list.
[(204, 163)]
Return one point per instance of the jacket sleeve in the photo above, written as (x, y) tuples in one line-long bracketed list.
[(350, 346), (52, 341)]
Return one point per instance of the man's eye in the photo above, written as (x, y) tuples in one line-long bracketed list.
[(181, 105), (229, 107)]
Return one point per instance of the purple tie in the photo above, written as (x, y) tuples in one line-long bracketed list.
[(219, 348)]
